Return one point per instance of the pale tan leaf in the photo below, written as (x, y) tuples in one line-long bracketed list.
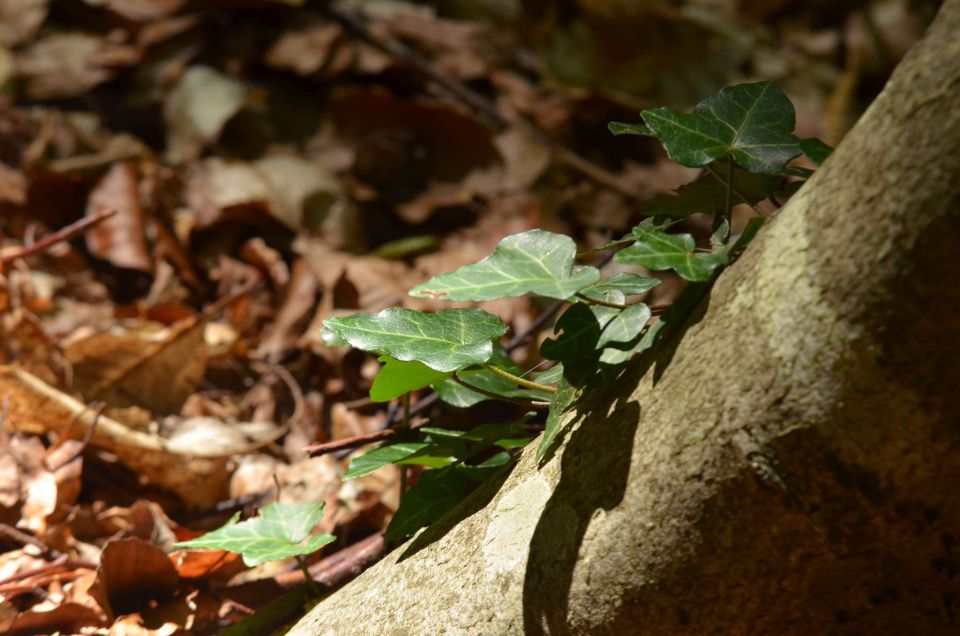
[(197, 109), (122, 238)]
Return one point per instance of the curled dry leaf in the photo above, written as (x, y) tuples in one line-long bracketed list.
[(121, 239), (132, 572)]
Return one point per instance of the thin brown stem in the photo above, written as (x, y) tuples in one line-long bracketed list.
[(63, 234)]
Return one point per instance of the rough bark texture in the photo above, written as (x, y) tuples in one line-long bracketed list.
[(788, 465)]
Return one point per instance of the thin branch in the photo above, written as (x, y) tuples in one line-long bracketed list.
[(350, 442), (529, 384), (63, 234)]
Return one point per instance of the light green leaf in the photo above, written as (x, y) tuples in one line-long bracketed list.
[(444, 341), (552, 375), (435, 493), (625, 283), (559, 404), (658, 250), (534, 262), (708, 193), (753, 123), (399, 377), (280, 531)]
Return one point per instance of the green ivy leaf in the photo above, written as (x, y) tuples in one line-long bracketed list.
[(576, 344), (444, 341), (280, 531), (658, 250), (419, 453), (622, 128), (460, 396), (435, 492), (399, 377), (625, 325), (625, 283), (534, 262), (753, 123), (708, 194), (560, 402), (815, 150)]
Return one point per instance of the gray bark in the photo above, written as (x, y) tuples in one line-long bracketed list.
[(787, 465)]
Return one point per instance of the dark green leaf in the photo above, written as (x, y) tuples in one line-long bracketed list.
[(658, 250), (753, 123), (399, 377), (436, 492), (280, 531), (559, 405), (534, 262), (384, 456), (576, 344), (815, 150), (622, 128), (460, 396), (445, 340), (709, 193)]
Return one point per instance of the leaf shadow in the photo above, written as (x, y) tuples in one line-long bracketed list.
[(594, 472)]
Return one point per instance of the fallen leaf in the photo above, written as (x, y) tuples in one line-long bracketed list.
[(20, 20), (196, 110), (120, 239), (70, 64), (132, 572)]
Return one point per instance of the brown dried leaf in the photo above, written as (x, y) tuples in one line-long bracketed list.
[(70, 64), (122, 238), (20, 20), (306, 50), (157, 373), (132, 572), (294, 313)]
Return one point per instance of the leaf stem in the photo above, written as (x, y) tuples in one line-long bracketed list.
[(302, 562), (518, 380), (740, 195), (596, 301), (502, 398), (728, 203)]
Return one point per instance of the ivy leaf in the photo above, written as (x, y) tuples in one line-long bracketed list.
[(419, 453), (576, 344), (534, 262), (280, 531), (435, 492), (625, 325), (399, 377), (444, 341), (460, 396), (552, 375), (625, 283), (622, 128), (559, 404), (658, 250), (708, 194), (753, 123), (815, 150)]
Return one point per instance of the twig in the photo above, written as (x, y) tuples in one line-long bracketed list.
[(62, 563), (350, 442), (358, 24), (63, 234)]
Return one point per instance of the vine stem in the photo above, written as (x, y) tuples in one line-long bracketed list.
[(733, 188), (728, 203), (596, 301), (518, 380), (501, 398)]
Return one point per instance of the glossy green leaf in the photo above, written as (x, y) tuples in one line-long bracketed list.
[(456, 394), (578, 331), (753, 123), (552, 375), (708, 193), (399, 377), (435, 492), (625, 283), (383, 456), (280, 531), (444, 341), (559, 404), (625, 325), (657, 250), (623, 128), (534, 262)]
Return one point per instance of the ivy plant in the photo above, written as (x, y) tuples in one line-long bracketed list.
[(742, 138)]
